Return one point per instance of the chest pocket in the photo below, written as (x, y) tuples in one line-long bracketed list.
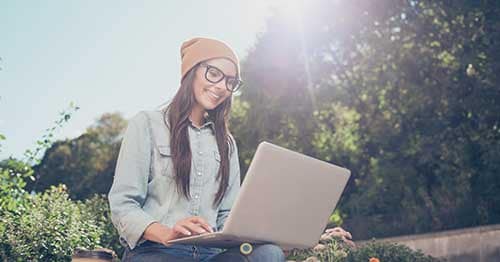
[(164, 164)]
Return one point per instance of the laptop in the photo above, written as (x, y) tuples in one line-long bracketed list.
[(286, 199)]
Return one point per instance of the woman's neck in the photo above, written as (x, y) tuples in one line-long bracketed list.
[(196, 116)]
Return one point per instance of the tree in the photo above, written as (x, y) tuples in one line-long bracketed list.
[(84, 164), (404, 94)]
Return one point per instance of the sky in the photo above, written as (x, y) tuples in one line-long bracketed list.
[(105, 56)]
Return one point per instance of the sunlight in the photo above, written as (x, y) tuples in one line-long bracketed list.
[(292, 11), (289, 9)]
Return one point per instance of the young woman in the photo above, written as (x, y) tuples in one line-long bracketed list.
[(177, 172)]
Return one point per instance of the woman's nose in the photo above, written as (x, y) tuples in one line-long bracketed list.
[(221, 84)]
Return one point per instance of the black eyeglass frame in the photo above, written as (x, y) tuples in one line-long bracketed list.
[(224, 76)]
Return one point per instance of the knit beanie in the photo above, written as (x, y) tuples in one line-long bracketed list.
[(199, 49)]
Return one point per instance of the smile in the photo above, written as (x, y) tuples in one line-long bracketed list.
[(212, 94)]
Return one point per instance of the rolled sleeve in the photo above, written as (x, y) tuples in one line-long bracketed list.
[(129, 190), (233, 189)]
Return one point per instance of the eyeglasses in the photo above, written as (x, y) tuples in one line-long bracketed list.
[(214, 75)]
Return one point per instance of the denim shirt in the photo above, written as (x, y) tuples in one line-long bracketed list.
[(144, 189)]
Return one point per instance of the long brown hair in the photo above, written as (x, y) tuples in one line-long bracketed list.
[(176, 116)]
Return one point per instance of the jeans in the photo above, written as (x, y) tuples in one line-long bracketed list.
[(155, 252)]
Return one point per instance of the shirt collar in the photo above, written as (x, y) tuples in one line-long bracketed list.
[(208, 123)]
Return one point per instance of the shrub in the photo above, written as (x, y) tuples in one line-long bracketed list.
[(98, 207), (13, 174), (388, 252), (48, 228), (335, 250)]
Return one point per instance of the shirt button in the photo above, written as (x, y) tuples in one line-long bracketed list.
[(196, 196), (199, 173), (200, 153)]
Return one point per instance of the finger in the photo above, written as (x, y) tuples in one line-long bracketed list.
[(181, 229), (195, 228), (203, 223), (349, 235), (207, 228)]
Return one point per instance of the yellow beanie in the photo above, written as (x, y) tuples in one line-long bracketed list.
[(199, 49)]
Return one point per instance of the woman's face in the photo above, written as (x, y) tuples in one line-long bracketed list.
[(209, 95)]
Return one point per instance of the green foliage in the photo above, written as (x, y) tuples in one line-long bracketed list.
[(387, 252), (98, 208), (85, 164), (2, 137), (48, 228), (332, 250), (404, 94), (335, 250), (13, 174), (336, 218), (32, 156)]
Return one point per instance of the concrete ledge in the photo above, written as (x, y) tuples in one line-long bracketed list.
[(468, 244)]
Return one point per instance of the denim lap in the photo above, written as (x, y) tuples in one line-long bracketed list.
[(150, 251), (265, 252)]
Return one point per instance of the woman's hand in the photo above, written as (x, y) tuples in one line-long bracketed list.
[(190, 226), (185, 227), (338, 232)]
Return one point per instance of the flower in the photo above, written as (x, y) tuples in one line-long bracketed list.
[(319, 247), (470, 71), (374, 259), (312, 259)]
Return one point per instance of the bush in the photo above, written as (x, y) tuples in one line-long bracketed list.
[(98, 207), (335, 250), (13, 174), (48, 228), (388, 252)]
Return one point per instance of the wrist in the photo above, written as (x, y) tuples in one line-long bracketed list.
[(159, 233), (154, 232), (148, 232)]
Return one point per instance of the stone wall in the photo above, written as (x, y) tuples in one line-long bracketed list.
[(480, 244)]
